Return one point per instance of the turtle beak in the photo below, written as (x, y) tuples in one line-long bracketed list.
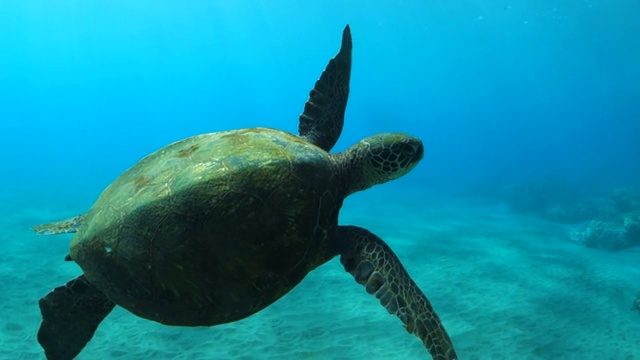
[(418, 151)]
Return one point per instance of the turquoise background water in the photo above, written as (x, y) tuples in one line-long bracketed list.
[(525, 108)]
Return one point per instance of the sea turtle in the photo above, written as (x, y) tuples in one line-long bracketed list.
[(214, 228)]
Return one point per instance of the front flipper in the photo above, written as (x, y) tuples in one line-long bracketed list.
[(70, 315), (374, 265), (323, 116), (60, 227)]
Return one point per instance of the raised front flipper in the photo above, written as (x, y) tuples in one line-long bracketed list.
[(375, 266), (60, 227), (71, 314), (323, 116)]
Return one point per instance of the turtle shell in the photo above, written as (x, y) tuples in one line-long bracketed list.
[(212, 228)]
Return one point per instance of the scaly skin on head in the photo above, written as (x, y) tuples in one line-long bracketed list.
[(376, 160)]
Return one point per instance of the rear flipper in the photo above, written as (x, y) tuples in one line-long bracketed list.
[(70, 315), (375, 266), (60, 227)]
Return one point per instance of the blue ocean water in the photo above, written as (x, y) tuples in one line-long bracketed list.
[(530, 116)]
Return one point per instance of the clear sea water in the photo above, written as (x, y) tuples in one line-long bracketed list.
[(530, 115)]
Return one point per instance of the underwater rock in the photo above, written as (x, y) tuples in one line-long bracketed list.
[(611, 220), (611, 235), (570, 212), (554, 202), (626, 200), (636, 303)]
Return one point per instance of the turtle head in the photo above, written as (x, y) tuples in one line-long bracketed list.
[(378, 159)]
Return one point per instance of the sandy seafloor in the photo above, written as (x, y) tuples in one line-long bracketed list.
[(506, 287)]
